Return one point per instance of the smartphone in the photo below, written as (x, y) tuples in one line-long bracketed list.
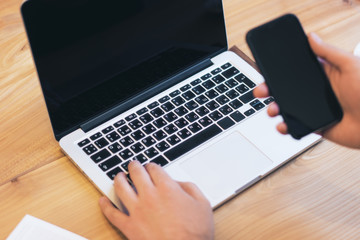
[(294, 75)]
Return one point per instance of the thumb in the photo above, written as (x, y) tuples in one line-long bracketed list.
[(330, 54)]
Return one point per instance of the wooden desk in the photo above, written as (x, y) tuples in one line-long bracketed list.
[(316, 196)]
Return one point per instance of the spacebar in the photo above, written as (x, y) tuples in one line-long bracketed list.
[(192, 142)]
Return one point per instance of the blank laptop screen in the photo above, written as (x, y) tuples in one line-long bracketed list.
[(91, 55)]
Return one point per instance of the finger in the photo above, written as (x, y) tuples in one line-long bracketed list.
[(192, 190), (116, 217), (139, 177), (158, 175), (282, 128), (273, 110), (124, 191), (329, 53), (261, 91)]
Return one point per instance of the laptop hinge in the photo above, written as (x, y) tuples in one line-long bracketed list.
[(122, 107)]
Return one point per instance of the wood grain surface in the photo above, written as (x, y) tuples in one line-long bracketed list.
[(316, 196)]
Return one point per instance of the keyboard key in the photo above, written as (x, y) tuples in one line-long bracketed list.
[(230, 72), (159, 135), (137, 147), (249, 112), (126, 154), (127, 141), (110, 163), (173, 139), (180, 111), (231, 83), (184, 133), (90, 149), (191, 105), (201, 99), (208, 84), (95, 136), (137, 135), (195, 82), (160, 160), (192, 117), (83, 142), (174, 93), (212, 105), (102, 155), (202, 111), (162, 146), (119, 123), (206, 76), (222, 100), (130, 117), (226, 65), (135, 124), (112, 137), (198, 90), (215, 115), (141, 158), (178, 101), (148, 141), (218, 79), (237, 116), (180, 123), (257, 105), (188, 95), (114, 148), (124, 130), (226, 109), (101, 143), (164, 99), (170, 129), (269, 100), (211, 94), (205, 121), (186, 87), (247, 97), (159, 123), (222, 88), (170, 117), (125, 165), (107, 130), (151, 152), (216, 71), (226, 123), (232, 94), (153, 105), (142, 111), (148, 129), (167, 106), (243, 79), (192, 142), (195, 127), (242, 89), (235, 104), (157, 112), (146, 118), (113, 173)]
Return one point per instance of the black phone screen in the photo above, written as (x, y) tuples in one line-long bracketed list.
[(294, 75)]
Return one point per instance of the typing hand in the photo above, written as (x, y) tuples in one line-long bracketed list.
[(161, 208), (343, 71)]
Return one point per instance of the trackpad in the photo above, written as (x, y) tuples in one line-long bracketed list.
[(226, 166)]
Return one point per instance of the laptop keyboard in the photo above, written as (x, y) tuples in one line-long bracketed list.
[(176, 123)]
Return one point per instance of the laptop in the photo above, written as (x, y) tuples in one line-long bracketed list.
[(153, 80)]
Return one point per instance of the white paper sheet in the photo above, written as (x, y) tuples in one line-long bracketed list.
[(31, 228)]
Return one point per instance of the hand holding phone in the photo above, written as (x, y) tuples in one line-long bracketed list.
[(294, 76)]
